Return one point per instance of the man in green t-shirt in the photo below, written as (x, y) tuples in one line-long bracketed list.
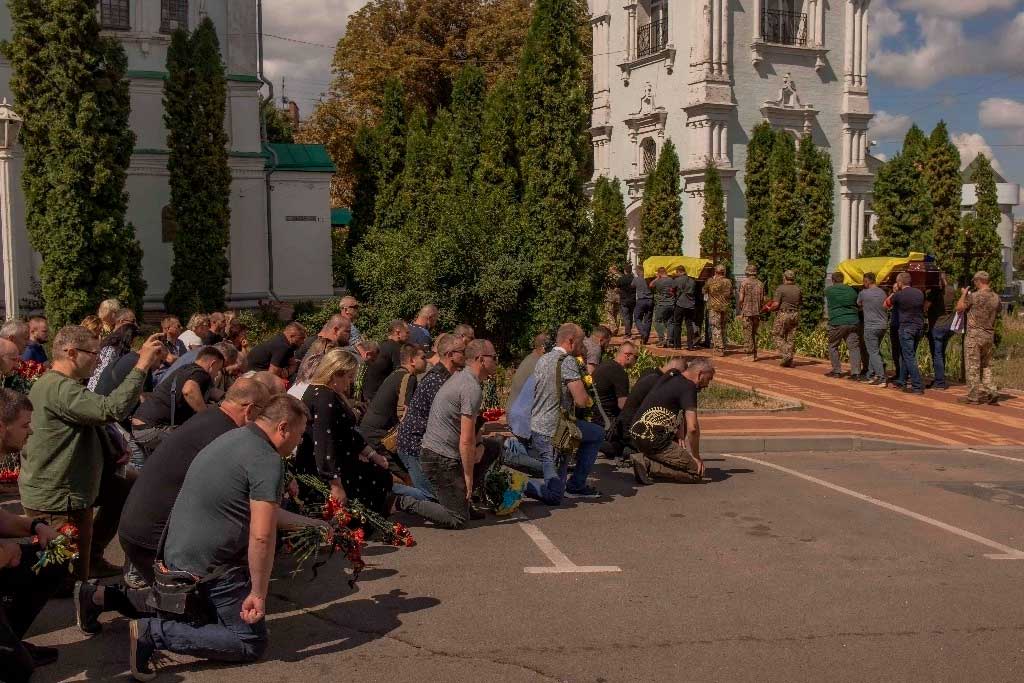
[(843, 326)]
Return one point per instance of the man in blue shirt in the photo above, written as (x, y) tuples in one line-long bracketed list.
[(419, 329), (38, 335)]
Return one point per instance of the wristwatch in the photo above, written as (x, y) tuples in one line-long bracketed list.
[(35, 522)]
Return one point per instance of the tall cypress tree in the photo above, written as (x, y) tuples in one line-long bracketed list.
[(899, 195), (816, 196), (915, 147), (757, 178), (609, 212), (784, 212), (661, 218), (1018, 248), (714, 236), (69, 85), (389, 136), (945, 190), (554, 148), (195, 103), (980, 230), (505, 273)]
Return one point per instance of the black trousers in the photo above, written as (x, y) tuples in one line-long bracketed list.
[(446, 474), (626, 312), (682, 316), (23, 594)]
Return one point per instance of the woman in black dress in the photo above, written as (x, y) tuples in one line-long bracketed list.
[(332, 448)]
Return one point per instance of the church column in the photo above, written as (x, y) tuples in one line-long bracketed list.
[(710, 142), (757, 10), (709, 30), (844, 227), (724, 36), (858, 222), (630, 8), (864, 43), (723, 142), (848, 37)]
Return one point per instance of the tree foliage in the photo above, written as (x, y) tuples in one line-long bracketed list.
[(71, 88), (1018, 248), (280, 128), (714, 235), (758, 194), (945, 191), (661, 217), (421, 43), (816, 197), (979, 235), (195, 101), (901, 199), (609, 216), (784, 212)]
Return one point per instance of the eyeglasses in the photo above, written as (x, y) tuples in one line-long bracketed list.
[(488, 355), (351, 308), (89, 351)]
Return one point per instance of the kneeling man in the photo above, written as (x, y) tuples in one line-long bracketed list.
[(666, 432)]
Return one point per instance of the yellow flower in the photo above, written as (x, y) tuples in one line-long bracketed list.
[(590, 402), (588, 380), (579, 359)]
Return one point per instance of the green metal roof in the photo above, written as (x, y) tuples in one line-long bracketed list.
[(341, 217), (310, 158)]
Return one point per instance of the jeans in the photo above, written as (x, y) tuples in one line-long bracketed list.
[(663, 322), (421, 488), (894, 347), (910, 337), (642, 317), (837, 334), (451, 510), (626, 313), (873, 337), (554, 486), (938, 339), (229, 639), (516, 456)]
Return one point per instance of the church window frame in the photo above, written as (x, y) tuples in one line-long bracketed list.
[(115, 15), (173, 15)]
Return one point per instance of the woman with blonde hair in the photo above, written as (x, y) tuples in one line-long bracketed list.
[(310, 362), (107, 312), (198, 327), (332, 447), (93, 324)]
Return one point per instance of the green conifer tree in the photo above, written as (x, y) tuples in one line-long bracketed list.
[(70, 86), (195, 102), (714, 236), (1018, 249), (784, 212), (609, 216), (945, 189), (980, 229), (915, 147), (899, 195), (816, 196), (554, 148), (757, 178), (389, 136), (661, 218)]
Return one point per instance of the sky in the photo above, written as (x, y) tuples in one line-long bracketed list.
[(961, 61)]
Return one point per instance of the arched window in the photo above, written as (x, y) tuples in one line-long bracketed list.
[(173, 15), (114, 15), (648, 155)]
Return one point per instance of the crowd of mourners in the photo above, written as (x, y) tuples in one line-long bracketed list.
[(188, 447)]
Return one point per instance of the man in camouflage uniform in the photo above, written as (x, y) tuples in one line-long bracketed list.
[(751, 302), (719, 293), (981, 308), (788, 297)]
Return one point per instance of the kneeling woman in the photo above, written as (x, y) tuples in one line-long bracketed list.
[(332, 448)]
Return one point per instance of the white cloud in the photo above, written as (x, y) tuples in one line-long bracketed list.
[(1001, 112), (886, 126), (946, 51), (306, 68), (956, 8), (970, 145), (885, 23)]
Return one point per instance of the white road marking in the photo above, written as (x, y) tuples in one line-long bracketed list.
[(1006, 552), (993, 455), (562, 564)]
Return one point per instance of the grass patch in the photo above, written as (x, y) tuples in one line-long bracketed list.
[(1008, 364), (723, 397)]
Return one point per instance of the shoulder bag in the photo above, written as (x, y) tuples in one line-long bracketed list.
[(390, 440), (568, 437)]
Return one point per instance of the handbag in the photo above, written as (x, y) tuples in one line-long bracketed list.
[(567, 437), (390, 440), (179, 595)]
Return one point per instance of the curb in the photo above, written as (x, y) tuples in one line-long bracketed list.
[(838, 443)]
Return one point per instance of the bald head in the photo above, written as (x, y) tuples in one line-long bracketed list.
[(427, 317), (675, 363), (338, 329), (9, 356), (271, 381)]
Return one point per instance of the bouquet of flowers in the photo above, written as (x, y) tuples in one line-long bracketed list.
[(61, 550), (9, 469), (24, 376), (503, 489), (493, 414), (347, 532)]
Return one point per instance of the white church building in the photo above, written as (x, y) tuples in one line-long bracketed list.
[(703, 73), (280, 194)]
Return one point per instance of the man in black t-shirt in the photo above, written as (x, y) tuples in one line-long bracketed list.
[(152, 496), (611, 382), (390, 402), (177, 399), (277, 354), (908, 302), (387, 361), (643, 386), (666, 432)]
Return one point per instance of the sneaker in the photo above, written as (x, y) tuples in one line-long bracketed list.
[(476, 513), (643, 477), (911, 390), (99, 568), (140, 652), (786, 364), (132, 578), (856, 378), (833, 373), (87, 614), (897, 385), (41, 656), (585, 492), (968, 401), (940, 387)]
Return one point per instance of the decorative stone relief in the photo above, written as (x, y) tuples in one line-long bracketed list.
[(788, 112)]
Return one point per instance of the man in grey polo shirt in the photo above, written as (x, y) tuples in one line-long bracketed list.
[(876, 324), (452, 456)]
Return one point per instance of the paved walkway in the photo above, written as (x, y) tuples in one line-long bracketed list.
[(839, 406)]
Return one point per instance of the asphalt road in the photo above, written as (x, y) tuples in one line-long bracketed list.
[(877, 569)]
